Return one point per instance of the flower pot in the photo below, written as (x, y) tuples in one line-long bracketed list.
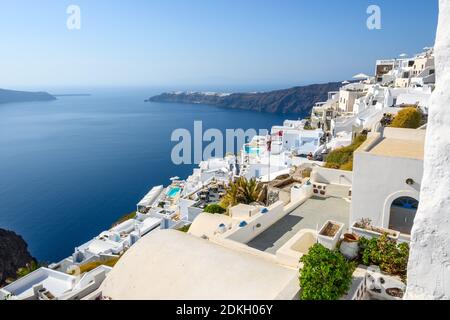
[(330, 234), (369, 234), (350, 246)]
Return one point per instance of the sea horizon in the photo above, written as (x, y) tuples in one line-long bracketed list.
[(157, 89)]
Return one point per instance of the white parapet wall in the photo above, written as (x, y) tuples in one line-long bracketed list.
[(332, 176), (258, 224), (429, 262)]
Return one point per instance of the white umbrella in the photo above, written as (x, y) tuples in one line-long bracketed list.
[(403, 55), (361, 76), (346, 82), (174, 178)]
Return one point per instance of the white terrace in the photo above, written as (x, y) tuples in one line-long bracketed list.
[(282, 231), (111, 243), (221, 252), (47, 284)]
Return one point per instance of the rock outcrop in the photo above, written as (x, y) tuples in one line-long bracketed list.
[(13, 254), (8, 96), (429, 263), (297, 100)]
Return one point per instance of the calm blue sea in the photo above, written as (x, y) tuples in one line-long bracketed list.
[(71, 167)]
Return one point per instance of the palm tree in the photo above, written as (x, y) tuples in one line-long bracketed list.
[(249, 190), (231, 196), (242, 191)]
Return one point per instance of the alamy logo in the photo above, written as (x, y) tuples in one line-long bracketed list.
[(190, 149), (74, 19), (374, 20)]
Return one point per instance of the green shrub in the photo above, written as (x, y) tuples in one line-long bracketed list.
[(161, 204), (92, 265), (342, 158), (384, 252), (308, 126), (409, 118), (33, 265), (348, 166), (185, 228), (326, 275), (214, 209), (125, 218)]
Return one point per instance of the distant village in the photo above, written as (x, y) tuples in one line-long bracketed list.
[(246, 226)]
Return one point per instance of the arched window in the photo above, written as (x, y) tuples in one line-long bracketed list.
[(403, 212)]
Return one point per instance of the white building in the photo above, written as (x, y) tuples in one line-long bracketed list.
[(47, 284), (400, 82), (294, 137), (323, 112), (149, 199), (110, 243), (406, 72), (387, 177), (369, 109), (348, 96), (212, 169), (257, 162)]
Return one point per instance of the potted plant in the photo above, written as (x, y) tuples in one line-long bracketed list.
[(325, 275), (390, 256), (364, 228), (350, 246), (330, 234)]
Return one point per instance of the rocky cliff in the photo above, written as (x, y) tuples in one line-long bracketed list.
[(13, 254), (297, 100), (7, 96)]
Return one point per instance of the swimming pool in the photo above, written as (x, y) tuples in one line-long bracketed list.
[(173, 192), (252, 150)]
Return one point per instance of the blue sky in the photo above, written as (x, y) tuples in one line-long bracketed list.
[(204, 43)]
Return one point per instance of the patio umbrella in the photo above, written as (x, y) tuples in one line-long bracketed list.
[(346, 82), (361, 76), (174, 178), (403, 55)]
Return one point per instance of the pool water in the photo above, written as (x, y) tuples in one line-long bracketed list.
[(252, 150), (173, 192)]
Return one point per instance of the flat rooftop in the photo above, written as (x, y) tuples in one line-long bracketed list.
[(402, 148), (169, 264), (55, 282), (310, 215), (396, 142)]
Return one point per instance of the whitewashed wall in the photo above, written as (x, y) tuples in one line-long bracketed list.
[(259, 224), (378, 181), (332, 176), (429, 263)]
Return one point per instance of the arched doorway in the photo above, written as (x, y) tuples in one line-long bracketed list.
[(403, 212)]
